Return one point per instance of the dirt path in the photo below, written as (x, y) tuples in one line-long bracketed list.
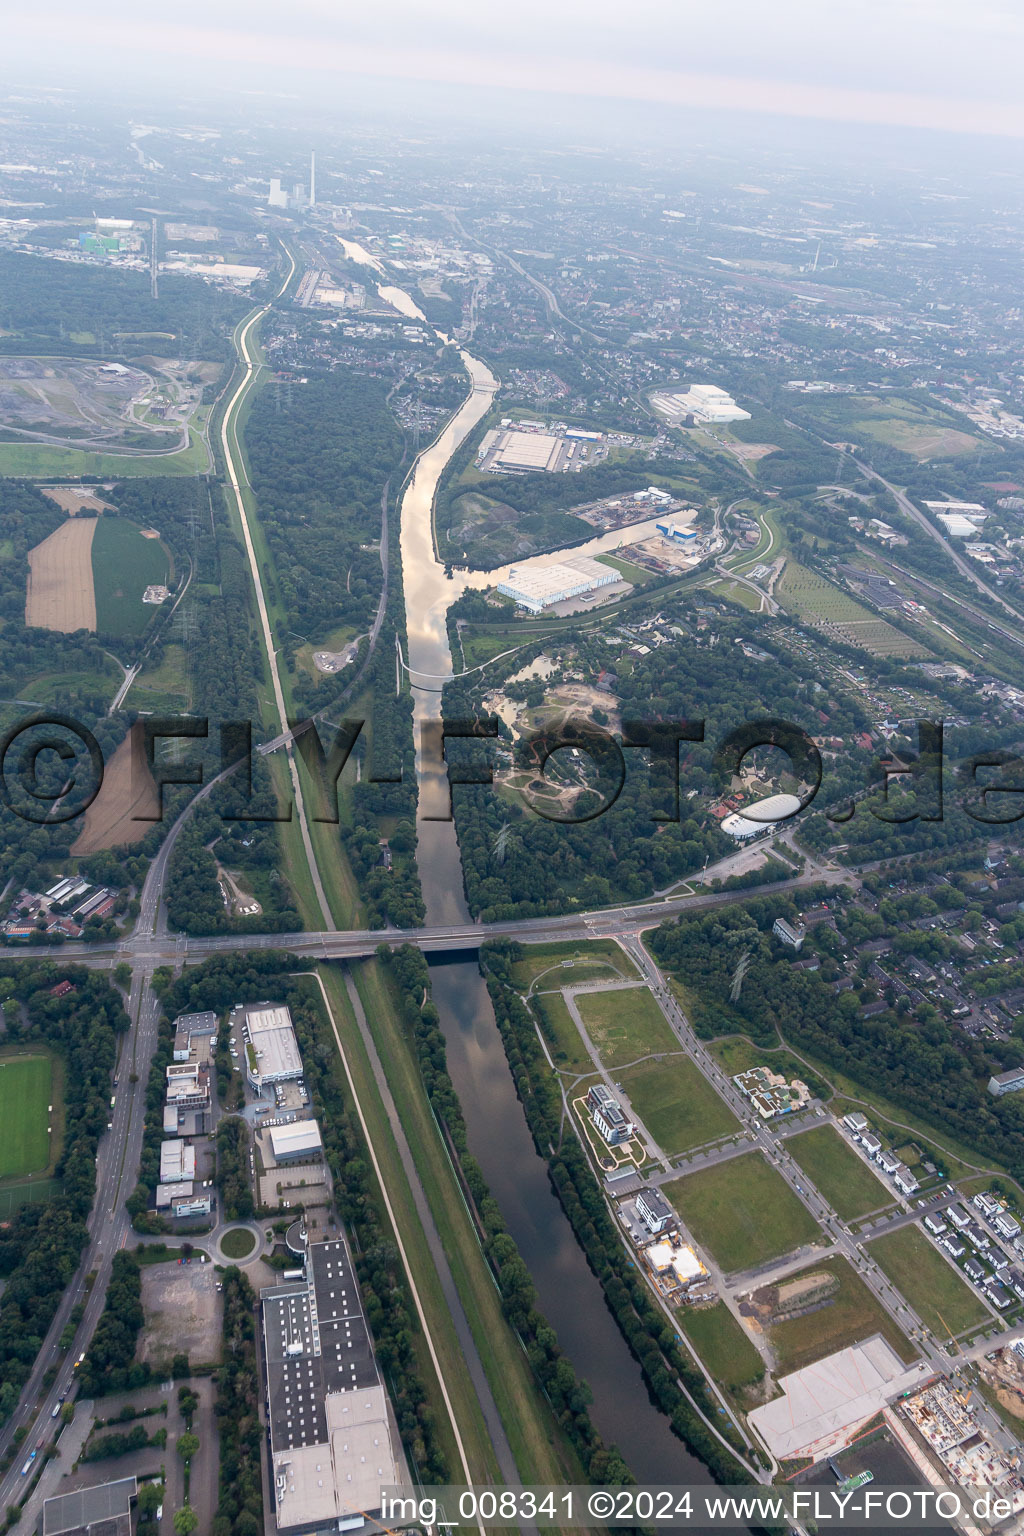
[(60, 592)]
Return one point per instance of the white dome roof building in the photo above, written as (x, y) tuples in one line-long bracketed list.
[(762, 817)]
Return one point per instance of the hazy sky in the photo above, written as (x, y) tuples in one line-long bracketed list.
[(948, 64)]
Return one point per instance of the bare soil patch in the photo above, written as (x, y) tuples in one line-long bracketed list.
[(60, 594), (182, 1313), (71, 499), (127, 792)]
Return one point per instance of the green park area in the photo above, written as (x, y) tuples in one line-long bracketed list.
[(625, 1025), (945, 1303), (124, 563), (677, 1104), (845, 1180), (742, 1211), (848, 1316), (558, 1027), (722, 1345)]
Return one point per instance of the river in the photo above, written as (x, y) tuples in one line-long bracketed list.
[(568, 1293)]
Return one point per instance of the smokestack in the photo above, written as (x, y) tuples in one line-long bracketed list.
[(312, 178)]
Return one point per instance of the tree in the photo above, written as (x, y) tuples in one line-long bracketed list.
[(150, 1498), (185, 1521), (188, 1444)]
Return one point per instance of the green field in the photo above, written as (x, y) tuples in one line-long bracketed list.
[(30, 1192), (124, 564), (677, 1104), (742, 1211), (907, 425), (843, 1178), (568, 1052), (26, 1083), (625, 1025), (590, 961), (945, 1303), (722, 1345), (165, 684), (850, 1316), (38, 461), (237, 1243)]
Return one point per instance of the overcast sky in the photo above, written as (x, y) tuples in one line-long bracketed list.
[(948, 64)]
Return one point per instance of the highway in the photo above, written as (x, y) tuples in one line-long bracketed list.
[(151, 949)]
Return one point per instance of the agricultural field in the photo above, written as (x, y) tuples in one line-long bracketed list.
[(742, 1211), (848, 1316), (677, 1104), (945, 1303), (722, 1345), (60, 594), (845, 1180), (125, 561), (126, 794), (808, 596), (26, 1089), (625, 1025)]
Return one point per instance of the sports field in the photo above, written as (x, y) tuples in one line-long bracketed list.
[(625, 1025), (677, 1104), (945, 1303), (124, 563), (60, 592), (843, 1178), (26, 1083), (849, 1316), (742, 1211)]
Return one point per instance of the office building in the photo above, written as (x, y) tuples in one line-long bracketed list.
[(654, 1210), (608, 1116)]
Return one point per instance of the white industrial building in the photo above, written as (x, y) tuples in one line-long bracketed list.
[(526, 450), (704, 402), (299, 1141), (762, 817), (271, 1049), (177, 1162), (546, 585)]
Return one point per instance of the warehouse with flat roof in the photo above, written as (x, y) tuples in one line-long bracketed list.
[(332, 1443), (104, 1509), (298, 1142), (271, 1049), (549, 584)]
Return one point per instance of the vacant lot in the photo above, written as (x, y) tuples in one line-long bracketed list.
[(849, 1316), (908, 425), (60, 592), (722, 1345), (127, 792), (742, 1211), (182, 1313), (847, 1183), (26, 1085), (677, 1104), (625, 1025), (72, 499), (944, 1302), (124, 563)]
